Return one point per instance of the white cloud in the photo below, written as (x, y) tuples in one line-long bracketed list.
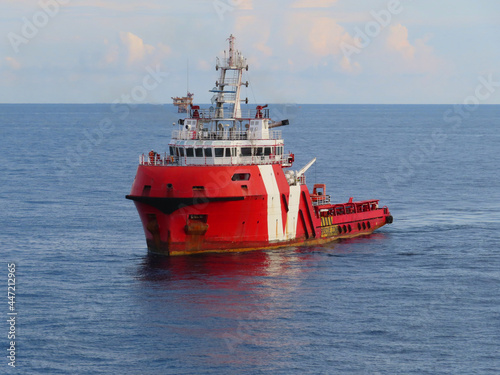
[(326, 35), (316, 39), (313, 3), (12, 63), (416, 57), (136, 49), (296, 41), (348, 66), (131, 51), (245, 4), (256, 37), (398, 41)]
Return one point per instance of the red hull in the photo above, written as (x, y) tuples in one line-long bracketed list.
[(193, 209)]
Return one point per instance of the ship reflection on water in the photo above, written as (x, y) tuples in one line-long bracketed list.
[(221, 308), (236, 301), (249, 269), (284, 262)]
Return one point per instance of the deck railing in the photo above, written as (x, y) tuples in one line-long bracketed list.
[(158, 159), (347, 208), (168, 160), (219, 135), (322, 200), (227, 113)]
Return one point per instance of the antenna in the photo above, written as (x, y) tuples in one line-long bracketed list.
[(187, 68)]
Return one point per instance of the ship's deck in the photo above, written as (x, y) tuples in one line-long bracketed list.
[(167, 160)]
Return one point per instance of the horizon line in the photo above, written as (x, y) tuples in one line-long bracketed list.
[(269, 103)]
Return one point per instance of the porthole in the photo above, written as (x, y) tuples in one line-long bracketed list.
[(369, 225), (241, 177), (350, 229), (364, 226), (359, 226)]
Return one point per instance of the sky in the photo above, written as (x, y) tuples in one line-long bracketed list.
[(299, 51)]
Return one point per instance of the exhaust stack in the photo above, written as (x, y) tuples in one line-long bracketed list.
[(278, 124)]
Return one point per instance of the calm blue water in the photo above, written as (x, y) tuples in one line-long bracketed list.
[(421, 296)]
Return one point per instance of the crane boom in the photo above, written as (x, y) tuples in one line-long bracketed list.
[(303, 170)]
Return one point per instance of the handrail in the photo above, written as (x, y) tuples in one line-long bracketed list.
[(340, 209), (158, 160), (214, 114), (219, 135), (321, 200), (237, 62), (168, 160)]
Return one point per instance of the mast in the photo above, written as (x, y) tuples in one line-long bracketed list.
[(187, 78), (228, 86)]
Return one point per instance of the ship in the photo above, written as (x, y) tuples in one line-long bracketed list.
[(183, 103), (226, 184)]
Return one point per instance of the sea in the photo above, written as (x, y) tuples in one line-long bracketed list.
[(419, 296)]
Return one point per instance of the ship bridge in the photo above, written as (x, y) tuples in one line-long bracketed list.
[(225, 134), (242, 141)]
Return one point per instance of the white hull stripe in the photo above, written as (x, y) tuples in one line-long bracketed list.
[(274, 207)]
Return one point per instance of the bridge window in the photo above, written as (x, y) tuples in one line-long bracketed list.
[(258, 151), (181, 151), (228, 152), (246, 151), (199, 152), (172, 151), (208, 152), (267, 151), (219, 152), (189, 152)]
